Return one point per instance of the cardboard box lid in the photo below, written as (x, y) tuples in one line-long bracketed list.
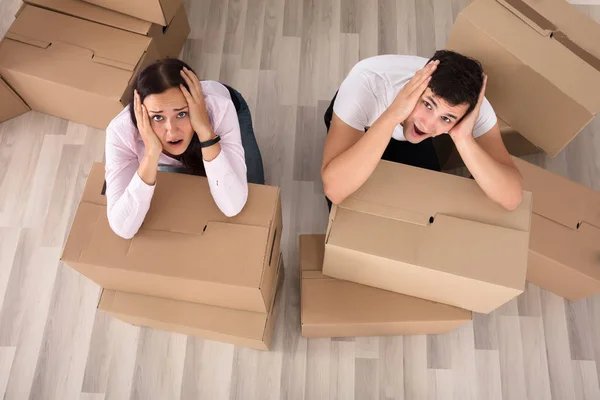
[(68, 51), (421, 217), (332, 301), (559, 199), (11, 105), (94, 13), (158, 11), (183, 235)]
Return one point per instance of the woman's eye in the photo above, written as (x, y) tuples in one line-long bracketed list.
[(182, 114), (446, 120), (157, 118), (427, 105)]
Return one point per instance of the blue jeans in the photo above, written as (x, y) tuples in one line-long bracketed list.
[(254, 166)]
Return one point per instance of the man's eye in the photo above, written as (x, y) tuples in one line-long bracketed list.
[(182, 114), (157, 118), (446, 120), (427, 105)]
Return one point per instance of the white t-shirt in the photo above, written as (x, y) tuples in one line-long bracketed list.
[(373, 84)]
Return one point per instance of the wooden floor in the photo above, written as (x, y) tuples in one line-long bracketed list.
[(287, 57)]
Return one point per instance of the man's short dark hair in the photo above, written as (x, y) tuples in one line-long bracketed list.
[(458, 79)]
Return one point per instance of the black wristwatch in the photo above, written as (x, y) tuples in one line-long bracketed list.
[(210, 142)]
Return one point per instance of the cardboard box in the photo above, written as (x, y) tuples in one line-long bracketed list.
[(11, 105), (158, 11), (72, 68), (543, 62), (337, 308), (186, 249), (242, 328), (430, 235), (564, 255), (515, 144), (168, 40)]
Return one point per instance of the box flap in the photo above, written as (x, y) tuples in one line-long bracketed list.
[(169, 253), (361, 304), (415, 195), (439, 245), (46, 26), (559, 199), (11, 105), (578, 250), (259, 210), (77, 50), (91, 12)]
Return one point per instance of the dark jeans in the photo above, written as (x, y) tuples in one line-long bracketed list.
[(254, 166), (422, 155)]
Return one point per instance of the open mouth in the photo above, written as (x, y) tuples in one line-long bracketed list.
[(419, 132), (175, 142)]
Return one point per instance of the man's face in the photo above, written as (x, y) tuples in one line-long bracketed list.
[(431, 116)]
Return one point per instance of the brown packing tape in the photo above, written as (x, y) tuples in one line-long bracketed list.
[(545, 27), (577, 50), (530, 16)]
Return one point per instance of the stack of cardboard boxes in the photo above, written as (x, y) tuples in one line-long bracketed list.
[(76, 59), (431, 246), (189, 269), (414, 251)]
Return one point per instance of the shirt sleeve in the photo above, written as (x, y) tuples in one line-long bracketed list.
[(128, 197), (486, 120), (226, 173), (355, 101)]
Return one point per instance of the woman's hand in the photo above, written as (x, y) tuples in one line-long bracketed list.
[(406, 100), (151, 141), (197, 106), (464, 129)]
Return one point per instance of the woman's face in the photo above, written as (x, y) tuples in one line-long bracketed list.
[(169, 116)]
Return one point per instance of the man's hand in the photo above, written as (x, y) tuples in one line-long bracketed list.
[(407, 98), (464, 129)]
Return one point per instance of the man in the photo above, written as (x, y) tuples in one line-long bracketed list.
[(390, 107)]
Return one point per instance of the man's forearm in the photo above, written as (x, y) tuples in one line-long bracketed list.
[(348, 171), (500, 182)]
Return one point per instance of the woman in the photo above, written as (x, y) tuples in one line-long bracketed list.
[(177, 123)]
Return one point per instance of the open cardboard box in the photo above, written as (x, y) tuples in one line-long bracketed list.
[(11, 105), (169, 40), (564, 255), (242, 328), (72, 68), (158, 11), (515, 144), (186, 249), (338, 308), (543, 62), (430, 235)]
